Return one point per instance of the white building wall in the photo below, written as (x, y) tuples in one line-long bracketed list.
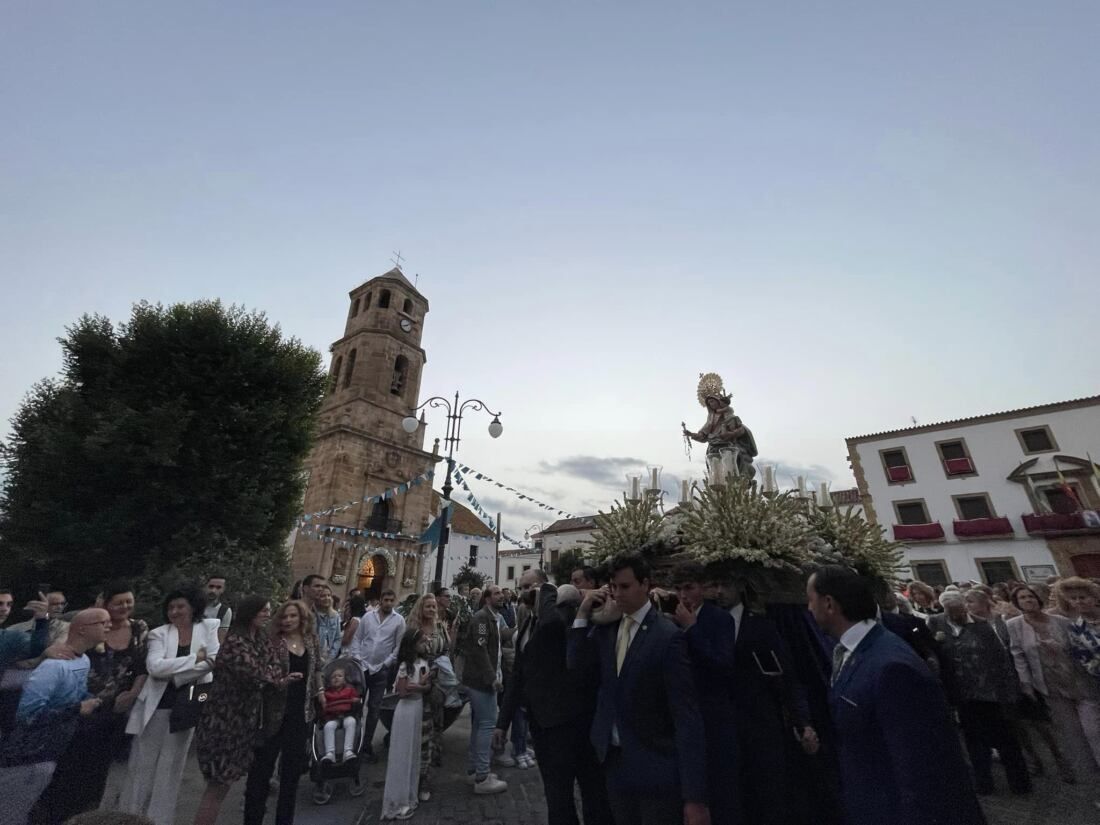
[(457, 554), (561, 542), (996, 452), (516, 566)]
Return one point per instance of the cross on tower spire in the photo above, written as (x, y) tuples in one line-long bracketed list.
[(397, 258)]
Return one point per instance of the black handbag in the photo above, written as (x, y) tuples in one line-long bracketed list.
[(186, 711)]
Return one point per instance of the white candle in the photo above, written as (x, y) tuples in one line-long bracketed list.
[(635, 487), (801, 486), (654, 482), (685, 491), (714, 465), (824, 499), (729, 469), (769, 478)]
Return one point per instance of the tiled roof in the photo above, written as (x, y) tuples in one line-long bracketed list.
[(1092, 400), (463, 519), (565, 525)]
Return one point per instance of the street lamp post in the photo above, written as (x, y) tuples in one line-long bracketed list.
[(527, 535), (454, 435)]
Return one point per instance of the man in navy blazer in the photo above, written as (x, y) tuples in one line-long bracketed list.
[(899, 754), (647, 730), (711, 633)]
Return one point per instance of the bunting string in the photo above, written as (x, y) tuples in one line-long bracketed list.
[(475, 505), (385, 495), (468, 470)]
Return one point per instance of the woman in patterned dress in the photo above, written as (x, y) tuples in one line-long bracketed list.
[(116, 677), (434, 643), (231, 723)]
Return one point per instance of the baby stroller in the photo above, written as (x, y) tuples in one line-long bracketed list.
[(325, 773)]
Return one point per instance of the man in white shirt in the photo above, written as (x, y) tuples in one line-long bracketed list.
[(374, 646), (215, 607)]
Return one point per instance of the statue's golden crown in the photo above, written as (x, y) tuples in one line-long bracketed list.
[(710, 384)]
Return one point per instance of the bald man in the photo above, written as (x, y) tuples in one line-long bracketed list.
[(54, 696)]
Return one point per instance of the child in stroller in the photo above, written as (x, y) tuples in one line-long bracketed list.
[(340, 700), (338, 730)]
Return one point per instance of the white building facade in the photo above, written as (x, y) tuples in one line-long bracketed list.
[(1009, 495), (512, 564), (565, 534), (470, 542)]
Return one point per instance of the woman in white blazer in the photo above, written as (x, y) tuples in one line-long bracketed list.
[(181, 653), (1040, 649)]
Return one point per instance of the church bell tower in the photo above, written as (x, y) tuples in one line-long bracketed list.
[(361, 449)]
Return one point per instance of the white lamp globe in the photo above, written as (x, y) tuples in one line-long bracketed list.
[(409, 424), (495, 427)]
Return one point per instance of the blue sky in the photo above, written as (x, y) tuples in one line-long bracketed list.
[(856, 212)]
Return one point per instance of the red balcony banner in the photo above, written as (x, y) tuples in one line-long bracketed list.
[(958, 466), (899, 473), (983, 527), (918, 532), (1053, 522)]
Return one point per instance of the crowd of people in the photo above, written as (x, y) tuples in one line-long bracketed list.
[(682, 703)]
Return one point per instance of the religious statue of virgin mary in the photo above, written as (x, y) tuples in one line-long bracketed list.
[(723, 431)]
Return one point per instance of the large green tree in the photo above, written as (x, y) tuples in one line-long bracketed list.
[(178, 435)]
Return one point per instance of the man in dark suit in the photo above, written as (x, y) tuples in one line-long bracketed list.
[(710, 633), (773, 717), (647, 730), (559, 702), (899, 754)]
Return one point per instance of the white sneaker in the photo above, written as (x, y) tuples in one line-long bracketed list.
[(504, 760), (524, 761), (349, 755), (490, 784), (329, 757)]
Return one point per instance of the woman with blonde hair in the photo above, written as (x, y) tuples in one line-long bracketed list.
[(1041, 651), (1079, 599), (288, 710), (434, 642)]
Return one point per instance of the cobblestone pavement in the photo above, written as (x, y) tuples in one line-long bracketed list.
[(453, 803)]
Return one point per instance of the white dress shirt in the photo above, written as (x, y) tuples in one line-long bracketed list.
[(376, 640), (737, 611)]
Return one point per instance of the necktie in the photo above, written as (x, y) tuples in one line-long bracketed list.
[(623, 642), (839, 653)]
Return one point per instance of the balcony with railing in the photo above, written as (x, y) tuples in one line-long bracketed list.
[(933, 531), (973, 528), (958, 466), (1046, 523)]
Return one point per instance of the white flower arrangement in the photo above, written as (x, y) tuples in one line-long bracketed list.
[(735, 525), (855, 542), (627, 528)]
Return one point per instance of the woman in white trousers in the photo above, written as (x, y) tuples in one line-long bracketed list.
[(181, 653)]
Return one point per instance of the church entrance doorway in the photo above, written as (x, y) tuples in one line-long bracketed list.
[(372, 574)]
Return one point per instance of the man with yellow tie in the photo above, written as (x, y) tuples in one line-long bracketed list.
[(647, 729)]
